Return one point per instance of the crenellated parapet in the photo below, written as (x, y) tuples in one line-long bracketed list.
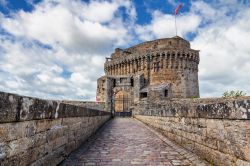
[(175, 43), (168, 59)]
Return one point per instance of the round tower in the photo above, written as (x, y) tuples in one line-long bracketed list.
[(169, 61)]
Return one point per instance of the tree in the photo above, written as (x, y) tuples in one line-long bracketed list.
[(233, 94)]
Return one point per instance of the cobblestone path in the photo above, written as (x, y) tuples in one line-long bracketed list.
[(126, 141)]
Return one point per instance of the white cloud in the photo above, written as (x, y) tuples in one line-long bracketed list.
[(225, 60), (163, 25), (100, 11), (58, 25), (57, 50)]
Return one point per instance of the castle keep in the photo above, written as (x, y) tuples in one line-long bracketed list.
[(160, 69)]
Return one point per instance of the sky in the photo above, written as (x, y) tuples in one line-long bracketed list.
[(55, 49)]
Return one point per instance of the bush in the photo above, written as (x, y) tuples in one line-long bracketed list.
[(233, 93)]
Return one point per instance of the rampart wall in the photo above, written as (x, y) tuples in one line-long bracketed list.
[(87, 104), (218, 130), (43, 132)]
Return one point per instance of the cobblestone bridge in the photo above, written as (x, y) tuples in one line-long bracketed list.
[(126, 141)]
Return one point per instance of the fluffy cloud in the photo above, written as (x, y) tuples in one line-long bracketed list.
[(225, 60), (73, 25), (163, 25), (57, 50)]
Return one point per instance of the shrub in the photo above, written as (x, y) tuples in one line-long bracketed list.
[(233, 94)]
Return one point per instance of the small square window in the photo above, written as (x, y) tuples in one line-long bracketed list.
[(143, 95)]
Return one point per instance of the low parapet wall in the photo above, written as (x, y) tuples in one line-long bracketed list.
[(43, 132), (87, 104), (218, 130)]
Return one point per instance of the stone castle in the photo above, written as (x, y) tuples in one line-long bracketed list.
[(160, 69), (156, 81)]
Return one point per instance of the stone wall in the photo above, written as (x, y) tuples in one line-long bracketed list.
[(87, 104), (218, 130), (43, 132), (101, 89)]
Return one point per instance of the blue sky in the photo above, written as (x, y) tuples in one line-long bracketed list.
[(56, 48)]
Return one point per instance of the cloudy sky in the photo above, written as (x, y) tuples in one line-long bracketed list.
[(56, 48)]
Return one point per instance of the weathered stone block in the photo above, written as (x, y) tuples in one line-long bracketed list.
[(70, 147), (12, 131), (14, 160), (56, 132), (30, 129), (246, 153), (9, 107), (70, 121), (51, 159), (188, 144), (242, 109), (19, 146), (39, 139), (46, 124), (37, 109), (215, 129), (3, 151), (32, 155), (242, 163), (71, 135)]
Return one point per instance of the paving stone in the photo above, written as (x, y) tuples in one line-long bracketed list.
[(126, 141)]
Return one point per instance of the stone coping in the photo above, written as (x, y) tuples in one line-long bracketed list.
[(212, 108), (15, 108)]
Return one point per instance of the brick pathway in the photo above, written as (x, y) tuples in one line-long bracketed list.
[(126, 141)]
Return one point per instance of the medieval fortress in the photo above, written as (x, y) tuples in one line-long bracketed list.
[(157, 83), (160, 69)]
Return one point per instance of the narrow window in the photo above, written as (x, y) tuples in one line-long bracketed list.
[(114, 82), (132, 82), (156, 66), (166, 93)]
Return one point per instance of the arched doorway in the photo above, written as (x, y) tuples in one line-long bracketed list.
[(122, 103)]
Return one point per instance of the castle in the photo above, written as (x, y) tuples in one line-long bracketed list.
[(152, 81), (160, 69)]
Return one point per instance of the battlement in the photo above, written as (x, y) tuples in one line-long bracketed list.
[(149, 46)]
